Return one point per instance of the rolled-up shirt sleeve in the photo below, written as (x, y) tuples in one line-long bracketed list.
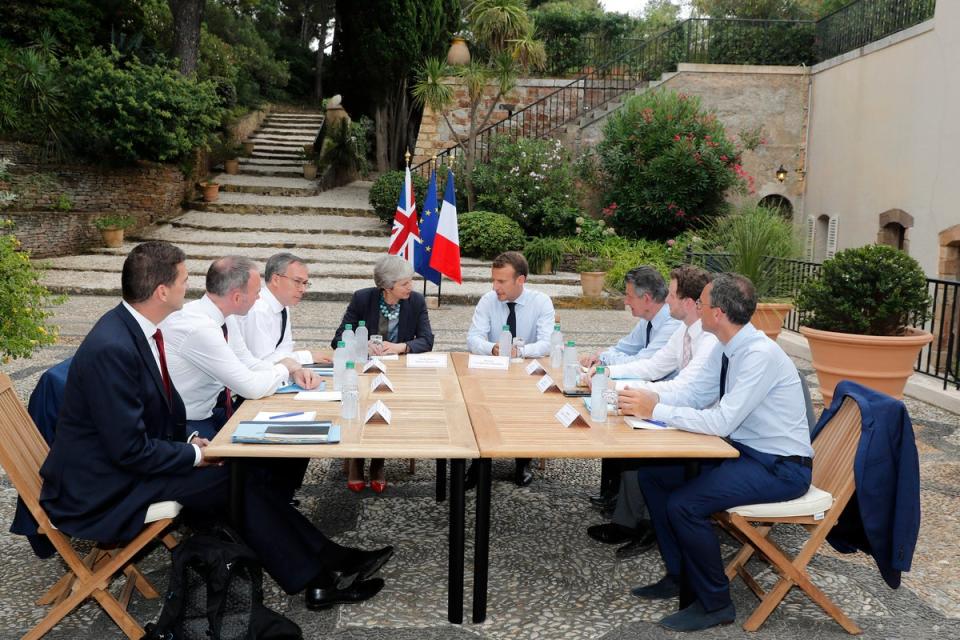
[(207, 350)]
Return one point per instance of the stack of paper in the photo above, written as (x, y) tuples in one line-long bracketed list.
[(272, 432)]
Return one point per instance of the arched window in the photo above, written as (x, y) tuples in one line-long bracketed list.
[(894, 227), (821, 237), (778, 203)]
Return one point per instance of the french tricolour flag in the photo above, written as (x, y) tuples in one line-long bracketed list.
[(405, 231), (445, 257)]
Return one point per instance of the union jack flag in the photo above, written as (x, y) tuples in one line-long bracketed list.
[(405, 230)]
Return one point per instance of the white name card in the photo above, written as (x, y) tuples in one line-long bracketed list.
[(488, 362), (381, 381), (374, 363), (378, 412), (318, 396), (388, 356), (568, 416), (546, 382), (535, 367), (427, 360)]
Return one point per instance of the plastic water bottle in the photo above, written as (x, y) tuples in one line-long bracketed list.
[(598, 404), (363, 348), (350, 339), (505, 341), (571, 367), (339, 365), (350, 397), (556, 347)]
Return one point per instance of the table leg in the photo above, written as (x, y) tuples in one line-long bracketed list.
[(442, 479), (691, 469), (455, 566), (481, 553), (237, 472)]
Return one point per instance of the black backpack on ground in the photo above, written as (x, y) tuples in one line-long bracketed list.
[(216, 593)]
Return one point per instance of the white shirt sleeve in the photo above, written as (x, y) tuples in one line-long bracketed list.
[(206, 350), (664, 362), (690, 372), (259, 331), (478, 336), (545, 322)]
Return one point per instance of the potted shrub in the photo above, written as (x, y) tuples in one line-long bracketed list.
[(248, 148), (111, 228), (231, 166), (759, 241), (857, 317), (544, 254), (593, 271), (211, 191)]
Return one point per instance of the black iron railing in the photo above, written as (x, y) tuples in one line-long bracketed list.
[(573, 55), (865, 21), (940, 359), (701, 40)]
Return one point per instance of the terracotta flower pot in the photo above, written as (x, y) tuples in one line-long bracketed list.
[(309, 171), (248, 148), (308, 148), (883, 363), (592, 283), (459, 53), (112, 238), (231, 166), (211, 191), (546, 268), (769, 317)]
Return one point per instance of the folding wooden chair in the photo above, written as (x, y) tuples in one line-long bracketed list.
[(818, 511), (22, 451)]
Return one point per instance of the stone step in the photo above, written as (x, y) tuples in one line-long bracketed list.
[(282, 149), (273, 171), (270, 190), (345, 225), (113, 263), (270, 162), (86, 282), (277, 137), (340, 201), (294, 116), (277, 239), (279, 145), (299, 125), (341, 257), (276, 155), (267, 130)]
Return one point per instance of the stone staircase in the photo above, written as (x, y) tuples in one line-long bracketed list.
[(265, 209)]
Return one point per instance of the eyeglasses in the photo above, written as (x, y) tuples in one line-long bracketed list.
[(701, 304), (303, 284)]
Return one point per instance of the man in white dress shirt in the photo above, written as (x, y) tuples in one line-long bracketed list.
[(267, 328), (206, 353), (750, 393), (686, 352), (645, 295), (527, 312)]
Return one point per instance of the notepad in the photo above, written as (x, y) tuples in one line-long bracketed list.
[(306, 432), (653, 425), (318, 396)]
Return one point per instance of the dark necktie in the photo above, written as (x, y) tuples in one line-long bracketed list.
[(283, 326), (512, 318), (724, 361), (227, 394), (164, 373), (649, 331)]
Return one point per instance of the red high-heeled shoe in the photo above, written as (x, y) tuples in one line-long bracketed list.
[(357, 485), (379, 486)]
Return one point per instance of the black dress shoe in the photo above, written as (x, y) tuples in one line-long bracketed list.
[(639, 545), (604, 502), (325, 597), (522, 475), (667, 587), (367, 563), (610, 533)]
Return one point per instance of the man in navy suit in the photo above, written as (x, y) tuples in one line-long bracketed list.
[(121, 446)]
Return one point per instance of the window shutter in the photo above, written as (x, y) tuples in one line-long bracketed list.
[(811, 237), (832, 237)]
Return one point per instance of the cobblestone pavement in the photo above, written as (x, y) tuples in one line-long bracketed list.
[(547, 578)]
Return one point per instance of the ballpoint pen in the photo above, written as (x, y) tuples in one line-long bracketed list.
[(286, 415)]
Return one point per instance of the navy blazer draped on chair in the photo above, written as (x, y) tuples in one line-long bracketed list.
[(883, 518), (414, 323)]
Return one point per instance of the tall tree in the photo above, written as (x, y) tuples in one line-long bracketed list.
[(187, 16), (377, 44)]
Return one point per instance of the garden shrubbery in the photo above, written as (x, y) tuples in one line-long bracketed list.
[(532, 182), (485, 234), (667, 165)]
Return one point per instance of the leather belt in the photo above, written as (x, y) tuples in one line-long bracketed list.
[(804, 460)]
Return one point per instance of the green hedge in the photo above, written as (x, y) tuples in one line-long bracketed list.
[(385, 193), (484, 234)]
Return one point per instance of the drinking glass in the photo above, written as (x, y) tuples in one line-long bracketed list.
[(376, 344), (518, 349)]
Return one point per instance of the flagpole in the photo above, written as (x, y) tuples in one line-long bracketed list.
[(433, 163)]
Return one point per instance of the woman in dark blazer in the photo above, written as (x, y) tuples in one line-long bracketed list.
[(393, 310)]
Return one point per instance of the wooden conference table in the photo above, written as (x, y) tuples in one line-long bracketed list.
[(429, 420), (459, 413), (512, 419)]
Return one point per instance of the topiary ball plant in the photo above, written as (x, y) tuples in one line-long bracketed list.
[(385, 192), (873, 290), (485, 234)]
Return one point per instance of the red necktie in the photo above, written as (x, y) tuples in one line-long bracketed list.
[(228, 395), (164, 373)]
